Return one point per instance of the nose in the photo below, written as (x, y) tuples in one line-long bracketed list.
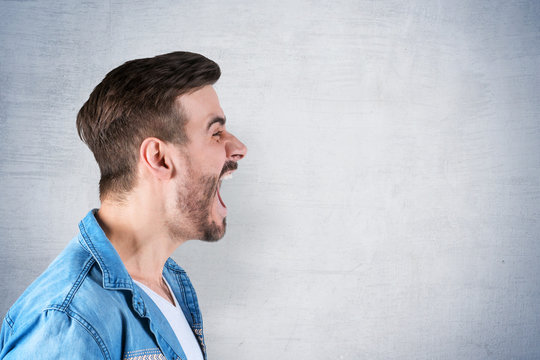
[(236, 150)]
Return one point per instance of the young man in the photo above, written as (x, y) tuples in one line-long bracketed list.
[(157, 132)]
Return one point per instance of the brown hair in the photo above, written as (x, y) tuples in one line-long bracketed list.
[(135, 101)]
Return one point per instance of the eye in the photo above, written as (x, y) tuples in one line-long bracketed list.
[(218, 133)]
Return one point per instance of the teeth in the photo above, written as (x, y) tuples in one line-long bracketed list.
[(226, 176)]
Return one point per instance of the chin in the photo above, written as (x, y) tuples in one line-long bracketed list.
[(213, 232)]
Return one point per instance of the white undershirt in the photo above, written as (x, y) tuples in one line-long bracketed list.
[(177, 320)]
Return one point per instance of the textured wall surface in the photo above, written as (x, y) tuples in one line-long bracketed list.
[(389, 204)]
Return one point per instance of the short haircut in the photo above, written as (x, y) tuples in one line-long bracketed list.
[(135, 101)]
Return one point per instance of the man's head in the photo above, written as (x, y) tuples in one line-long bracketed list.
[(158, 121)]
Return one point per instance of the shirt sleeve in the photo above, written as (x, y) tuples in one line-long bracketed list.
[(54, 334)]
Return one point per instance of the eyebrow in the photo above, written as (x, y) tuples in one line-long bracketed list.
[(217, 119)]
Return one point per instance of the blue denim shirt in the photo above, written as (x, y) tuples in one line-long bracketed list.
[(86, 306)]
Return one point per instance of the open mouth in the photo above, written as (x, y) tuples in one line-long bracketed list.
[(219, 196), (226, 176)]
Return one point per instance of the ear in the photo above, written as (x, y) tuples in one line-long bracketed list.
[(155, 158)]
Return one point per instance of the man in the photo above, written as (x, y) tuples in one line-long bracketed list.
[(157, 132)]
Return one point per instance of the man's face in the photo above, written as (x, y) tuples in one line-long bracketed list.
[(210, 155)]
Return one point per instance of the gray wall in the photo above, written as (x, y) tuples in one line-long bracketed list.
[(389, 204)]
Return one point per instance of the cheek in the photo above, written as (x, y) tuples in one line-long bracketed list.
[(213, 162)]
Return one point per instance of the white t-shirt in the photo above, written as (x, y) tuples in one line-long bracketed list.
[(177, 320)]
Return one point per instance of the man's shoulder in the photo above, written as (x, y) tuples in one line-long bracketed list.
[(71, 278), (69, 299)]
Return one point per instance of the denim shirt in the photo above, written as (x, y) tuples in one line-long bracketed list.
[(86, 306)]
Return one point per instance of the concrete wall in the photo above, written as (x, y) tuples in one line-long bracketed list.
[(389, 204)]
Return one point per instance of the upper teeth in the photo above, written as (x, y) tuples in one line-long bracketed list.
[(227, 176)]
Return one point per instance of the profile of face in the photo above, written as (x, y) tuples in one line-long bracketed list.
[(210, 156)]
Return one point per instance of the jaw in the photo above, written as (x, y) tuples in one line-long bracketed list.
[(210, 223), (197, 212)]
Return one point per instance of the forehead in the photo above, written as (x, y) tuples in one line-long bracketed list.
[(200, 107)]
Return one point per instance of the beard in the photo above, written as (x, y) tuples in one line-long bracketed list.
[(194, 201)]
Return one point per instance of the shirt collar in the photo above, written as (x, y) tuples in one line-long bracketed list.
[(115, 275)]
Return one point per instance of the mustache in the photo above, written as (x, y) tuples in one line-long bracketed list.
[(229, 165)]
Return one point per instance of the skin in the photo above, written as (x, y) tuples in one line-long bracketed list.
[(174, 199)]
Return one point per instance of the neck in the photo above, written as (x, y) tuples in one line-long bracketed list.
[(137, 230)]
